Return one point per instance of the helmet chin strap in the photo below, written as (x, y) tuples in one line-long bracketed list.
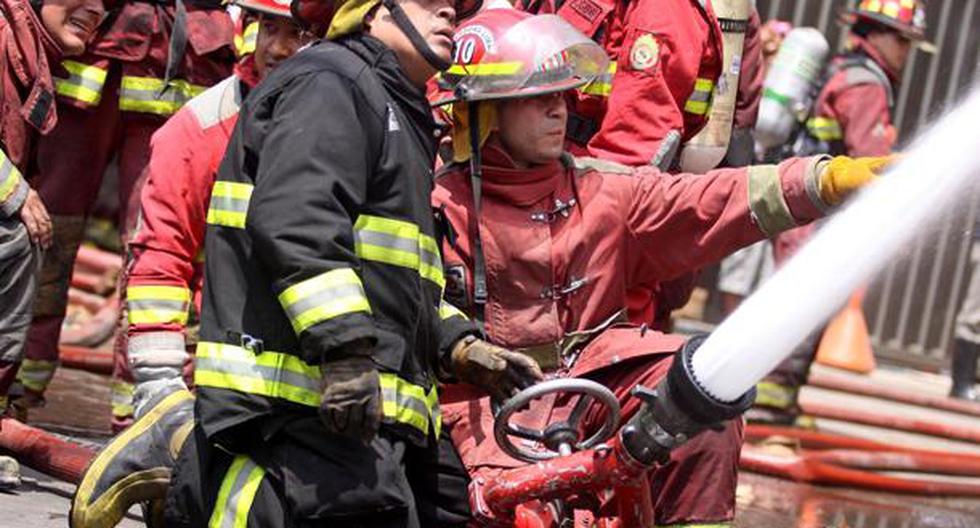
[(480, 294), (419, 43)]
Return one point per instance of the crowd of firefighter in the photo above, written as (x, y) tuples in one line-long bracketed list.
[(351, 226)]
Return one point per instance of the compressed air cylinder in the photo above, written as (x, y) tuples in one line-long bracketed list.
[(787, 92), (706, 150)]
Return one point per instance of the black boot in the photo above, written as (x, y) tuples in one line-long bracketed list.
[(964, 370)]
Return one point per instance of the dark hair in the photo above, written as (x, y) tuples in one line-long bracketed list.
[(864, 27)]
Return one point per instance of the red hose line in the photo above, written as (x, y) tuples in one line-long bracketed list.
[(87, 359), (96, 330), (812, 471), (97, 260), (43, 451), (893, 421), (941, 463), (810, 439), (898, 394), (97, 283)]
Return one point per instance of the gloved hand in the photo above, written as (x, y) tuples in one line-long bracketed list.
[(351, 397), (498, 371), (144, 392), (843, 176)]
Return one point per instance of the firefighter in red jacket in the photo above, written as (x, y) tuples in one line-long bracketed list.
[(33, 38), (144, 64), (853, 116), (665, 57), (543, 247), (165, 267)]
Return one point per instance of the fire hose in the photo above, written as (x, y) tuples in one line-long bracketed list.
[(44, 451), (88, 359), (845, 461), (826, 469), (893, 393)]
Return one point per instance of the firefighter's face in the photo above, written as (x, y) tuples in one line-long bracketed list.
[(434, 20), (71, 23), (277, 40), (893, 47), (532, 129)]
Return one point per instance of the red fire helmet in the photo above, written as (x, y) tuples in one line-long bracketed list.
[(504, 53)]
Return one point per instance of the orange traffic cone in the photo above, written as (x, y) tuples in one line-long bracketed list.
[(845, 343)]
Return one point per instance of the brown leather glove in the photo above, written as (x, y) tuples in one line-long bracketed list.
[(498, 371), (351, 397)]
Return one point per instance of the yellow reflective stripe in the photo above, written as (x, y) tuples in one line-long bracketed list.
[(36, 374), (700, 100), (766, 201), (430, 263), (146, 94), (84, 82), (432, 401), (409, 404), (824, 128), (323, 297), (284, 376), (704, 85), (696, 107), (236, 494), (245, 43), (158, 304), (398, 243), (385, 240), (229, 204), (487, 68), (121, 398), (771, 394), (271, 374), (601, 85), (9, 177), (447, 310)]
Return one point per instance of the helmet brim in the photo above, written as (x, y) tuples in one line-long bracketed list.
[(524, 93), (851, 16)]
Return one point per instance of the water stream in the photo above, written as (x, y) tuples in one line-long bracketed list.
[(935, 175)]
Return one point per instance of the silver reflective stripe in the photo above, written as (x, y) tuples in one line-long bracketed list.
[(264, 373), (403, 400), (228, 203), (84, 82), (699, 96), (323, 297), (430, 258), (385, 240), (236, 494), (157, 304)]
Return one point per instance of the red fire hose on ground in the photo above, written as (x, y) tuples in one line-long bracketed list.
[(844, 461), (44, 451), (98, 361), (900, 394)]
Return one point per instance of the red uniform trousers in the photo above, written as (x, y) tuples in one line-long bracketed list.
[(697, 485), (95, 128)]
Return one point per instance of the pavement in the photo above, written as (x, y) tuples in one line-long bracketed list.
[(43, 502)]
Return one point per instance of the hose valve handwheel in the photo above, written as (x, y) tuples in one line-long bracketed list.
[(560, 438)]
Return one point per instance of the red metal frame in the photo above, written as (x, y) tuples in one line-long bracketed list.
[(519, 497)]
